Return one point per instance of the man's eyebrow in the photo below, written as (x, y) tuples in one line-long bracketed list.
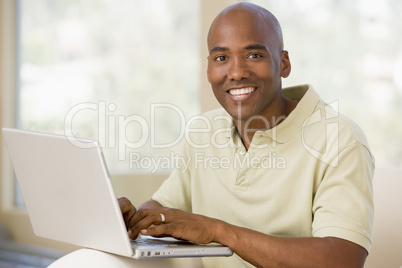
[(249, 47), (218, 49), (255, 47)]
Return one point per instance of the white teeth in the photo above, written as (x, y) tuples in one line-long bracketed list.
[(241, 91)]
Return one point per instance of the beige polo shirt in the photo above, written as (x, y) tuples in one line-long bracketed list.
[(311, 175)]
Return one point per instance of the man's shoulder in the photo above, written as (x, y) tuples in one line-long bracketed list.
[(337, 124)]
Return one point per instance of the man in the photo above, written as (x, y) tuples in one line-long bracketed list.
[(277, 175)]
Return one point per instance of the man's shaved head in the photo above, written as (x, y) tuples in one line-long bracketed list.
[(243, 12), (246, 55)]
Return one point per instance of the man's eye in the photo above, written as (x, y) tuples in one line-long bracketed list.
[(254, 56), (220, 58)]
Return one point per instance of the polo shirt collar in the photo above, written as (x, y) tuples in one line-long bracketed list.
[(307, 99)]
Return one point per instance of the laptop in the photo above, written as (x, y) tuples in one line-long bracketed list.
[(69, 197)]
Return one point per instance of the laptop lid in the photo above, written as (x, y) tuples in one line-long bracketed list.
[(67, 191), (70, 198)]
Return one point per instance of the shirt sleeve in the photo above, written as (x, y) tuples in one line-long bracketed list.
[(343, 204)]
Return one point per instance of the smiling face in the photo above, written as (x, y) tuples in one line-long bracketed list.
[(246, 62)]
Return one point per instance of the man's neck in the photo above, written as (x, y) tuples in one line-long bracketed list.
[(270, 119)]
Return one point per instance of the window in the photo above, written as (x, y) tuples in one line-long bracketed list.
[(126, 74), (350, 52), (163, 41)]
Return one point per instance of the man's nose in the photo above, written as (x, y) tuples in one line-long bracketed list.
[(238, 69)]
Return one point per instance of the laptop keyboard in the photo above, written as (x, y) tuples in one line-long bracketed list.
[(159, 242)]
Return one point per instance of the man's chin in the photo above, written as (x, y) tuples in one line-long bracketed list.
[(241, 115)]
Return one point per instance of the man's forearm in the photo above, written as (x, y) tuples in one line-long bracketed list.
[(263, 250)]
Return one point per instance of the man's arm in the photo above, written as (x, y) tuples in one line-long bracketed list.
[(254, 247), (267, 251)]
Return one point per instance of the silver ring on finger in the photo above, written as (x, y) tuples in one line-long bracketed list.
[(162, 218)]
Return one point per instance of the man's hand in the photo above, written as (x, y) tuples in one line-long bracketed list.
[(178, 223), (127, 210)]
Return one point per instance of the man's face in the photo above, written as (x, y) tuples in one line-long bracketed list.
[(245, 66)]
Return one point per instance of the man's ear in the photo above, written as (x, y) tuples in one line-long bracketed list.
[(208, 73), (285, 64)]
